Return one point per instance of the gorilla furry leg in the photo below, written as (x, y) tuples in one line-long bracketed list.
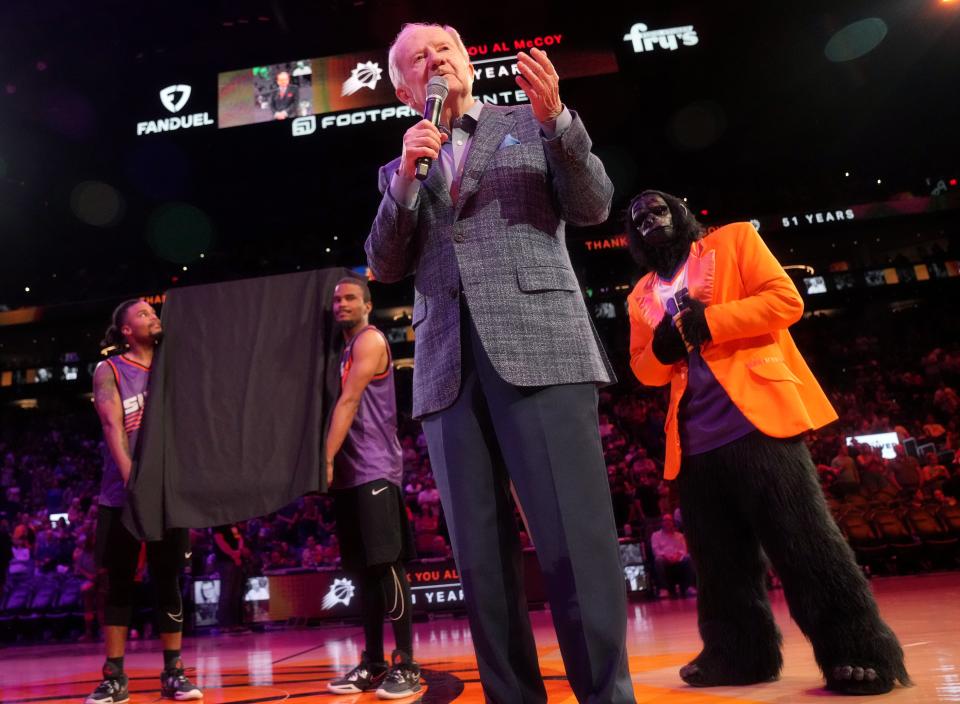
[(741, 642), (829, 597)]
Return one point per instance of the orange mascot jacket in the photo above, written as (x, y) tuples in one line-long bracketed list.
[(750, 304)]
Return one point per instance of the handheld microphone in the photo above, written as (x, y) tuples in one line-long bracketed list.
[(437, 90)]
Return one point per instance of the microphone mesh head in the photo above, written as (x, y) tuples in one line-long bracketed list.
[(437, 87)]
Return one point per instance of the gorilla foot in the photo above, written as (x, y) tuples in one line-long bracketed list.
[(855, 679), (703, 672)]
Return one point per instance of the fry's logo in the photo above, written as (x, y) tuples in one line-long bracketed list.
[(644, 39)]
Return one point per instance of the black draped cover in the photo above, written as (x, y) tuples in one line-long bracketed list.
[(240, 392)]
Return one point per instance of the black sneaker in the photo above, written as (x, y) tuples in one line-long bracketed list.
[(175, 685), (113, 689), (403, 678), (364, 677)]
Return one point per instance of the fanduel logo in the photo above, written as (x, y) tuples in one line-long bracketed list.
[(644, 39), (173, 98), (167, 97)]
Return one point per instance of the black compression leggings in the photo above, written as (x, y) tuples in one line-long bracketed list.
[(385, 593), (165, 559)]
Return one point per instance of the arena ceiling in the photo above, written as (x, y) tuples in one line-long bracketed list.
[(776, 107)]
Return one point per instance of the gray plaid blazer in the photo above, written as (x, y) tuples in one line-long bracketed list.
[(502, 244)]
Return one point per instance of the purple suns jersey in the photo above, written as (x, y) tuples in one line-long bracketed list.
[(132, 381), (371, 450)]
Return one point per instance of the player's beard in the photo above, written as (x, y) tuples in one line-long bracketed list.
[(350, 322)]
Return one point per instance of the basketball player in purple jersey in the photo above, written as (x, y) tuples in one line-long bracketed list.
[(119, 394), (364, 471)]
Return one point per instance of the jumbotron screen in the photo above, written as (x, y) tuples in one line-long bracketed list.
[(357, 84)]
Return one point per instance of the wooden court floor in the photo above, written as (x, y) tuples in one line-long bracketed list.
[(293, 664)]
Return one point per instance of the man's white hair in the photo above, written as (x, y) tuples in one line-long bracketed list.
[(396, 75)]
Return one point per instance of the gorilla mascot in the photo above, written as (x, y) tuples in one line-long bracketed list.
[(710, 318)]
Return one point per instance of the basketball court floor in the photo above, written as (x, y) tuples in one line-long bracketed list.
[(294, 664)]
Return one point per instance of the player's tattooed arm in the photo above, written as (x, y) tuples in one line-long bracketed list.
[(106, 399)]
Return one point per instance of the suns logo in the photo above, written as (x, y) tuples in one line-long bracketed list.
[(341, 592), (365, 75)]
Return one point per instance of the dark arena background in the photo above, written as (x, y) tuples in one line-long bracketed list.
[(139, 153)]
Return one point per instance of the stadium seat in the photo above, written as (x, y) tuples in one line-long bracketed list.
[(941, 547), (950, 518), (867, 546), (905, 549), (857, 501), (15, 607), (68, 610), (42, 602)]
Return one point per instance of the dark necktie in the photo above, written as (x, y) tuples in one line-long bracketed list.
[(464, 122)]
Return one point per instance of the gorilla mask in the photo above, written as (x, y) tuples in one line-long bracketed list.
[(652, 217), (660, 229)]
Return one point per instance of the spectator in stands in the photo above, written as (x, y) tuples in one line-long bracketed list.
[(21, 564), (932, 429), (76, 512), (413, 486), (440, 548), (308, 520), (331, 551), (942, 499), (847, 479), (946, 400), (952, 441), (311, 557), (668, 497), (626, 506), (648, 493), (427, 521), (47, 550), (229, 549), (874, 478), (934, 473), (641, 465), (429, 498), (24, 528), (285, 521), (409, 451), (672, 564), (905, 469), (268, 531), (290, 557)]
